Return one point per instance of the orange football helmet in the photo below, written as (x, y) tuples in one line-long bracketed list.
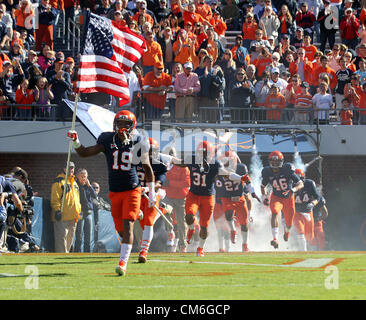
[(124, 122), (276, 159)]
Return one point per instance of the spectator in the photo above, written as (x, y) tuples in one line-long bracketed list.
[(198, 65), (249, 29), (16, 52), (323, 68), (346, 113), (183, 48), (142, 11), (269, 23), (104, 8), (212, 89), (349, 27), (353, 92), (251, 71), (212, 45), (244, 58), (343, 77), (290, 93), (65, 221), (10, 80), (45, 58), (171, 96), (162, 12), (98, 204), (286, 22), (328, 26), (303, 102), (43, 96), (275, 63), (4, 108), (228, 66), (349, 61), (263, 60), (275, 79), (187, 86), (262, 89), (152, 55), (291, 4), (44, 34), (4, 32), (84, 227), (361, 72), (166, 45), (258, 44), (310, 49), (275, 100), (158, 83), (61, 88), (306, 19), (362, 105), (298, 40), (322, 104), (24, 16), (25, 96), (301, 66), (231, 15), (7, 19), (267, 3), (220, 26), (119, 6), (242, 95)]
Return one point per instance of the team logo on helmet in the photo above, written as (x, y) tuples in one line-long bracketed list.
[(276, 159)]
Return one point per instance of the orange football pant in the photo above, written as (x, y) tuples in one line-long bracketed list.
[(203, 204), (304, 224), (239, 207), (125, 205), (286, 205)]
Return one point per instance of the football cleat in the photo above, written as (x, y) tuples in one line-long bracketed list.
[(234, 236), (286, 235), (222, 250), (121, 268), (274, 243), (190, 235), (245, 247), (183, 249), (200, 252), (142, 256)]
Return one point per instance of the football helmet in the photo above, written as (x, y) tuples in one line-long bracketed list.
[(276, 159), (154, 148), (300, 173), (205, 151), (229, 159), (124, 122)]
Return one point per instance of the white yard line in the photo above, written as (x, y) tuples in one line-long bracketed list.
[(307, 263)]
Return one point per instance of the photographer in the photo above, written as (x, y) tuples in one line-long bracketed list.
[(7, 191), (19, 221)]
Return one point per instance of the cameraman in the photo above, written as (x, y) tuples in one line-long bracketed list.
[(20, 221), (7, 190)]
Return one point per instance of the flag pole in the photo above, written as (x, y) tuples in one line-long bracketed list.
[(69, 153)]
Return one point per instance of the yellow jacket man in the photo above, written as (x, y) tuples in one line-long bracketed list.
[(65, 222)]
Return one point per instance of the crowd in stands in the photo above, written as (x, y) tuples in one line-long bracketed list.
[(307, 57)]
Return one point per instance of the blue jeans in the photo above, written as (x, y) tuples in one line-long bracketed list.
[(84, 230)]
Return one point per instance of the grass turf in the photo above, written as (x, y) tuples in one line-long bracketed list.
[(230, 276)]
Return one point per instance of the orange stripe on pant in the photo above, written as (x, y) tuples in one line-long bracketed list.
[(125, 205), (239, 207), (286, 205), (204, 204), (304, 224), (149, 213)]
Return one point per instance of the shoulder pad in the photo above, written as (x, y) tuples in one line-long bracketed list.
[(288, 166)]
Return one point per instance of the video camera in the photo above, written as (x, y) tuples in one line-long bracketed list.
[(13, 211)]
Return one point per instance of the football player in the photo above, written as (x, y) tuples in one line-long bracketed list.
[(203, 171), (222, 228), (234, 201), (124, 149), (320, 213), (150, 214), (305, 200), (285, 183)]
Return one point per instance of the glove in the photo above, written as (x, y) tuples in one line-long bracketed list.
[(310, 206), (73, 135), (245, 178), (254, 195), (152, 194), (141, 215), (266, 200), (58, 215)]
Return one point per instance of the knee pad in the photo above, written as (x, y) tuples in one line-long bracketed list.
[(190, 219), (229, 215)]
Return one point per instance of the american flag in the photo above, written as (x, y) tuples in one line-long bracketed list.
[(109, 52)]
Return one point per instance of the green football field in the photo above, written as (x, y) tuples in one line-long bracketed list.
[(166, 276)]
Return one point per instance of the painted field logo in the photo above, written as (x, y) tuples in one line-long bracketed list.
[(332, 281)]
